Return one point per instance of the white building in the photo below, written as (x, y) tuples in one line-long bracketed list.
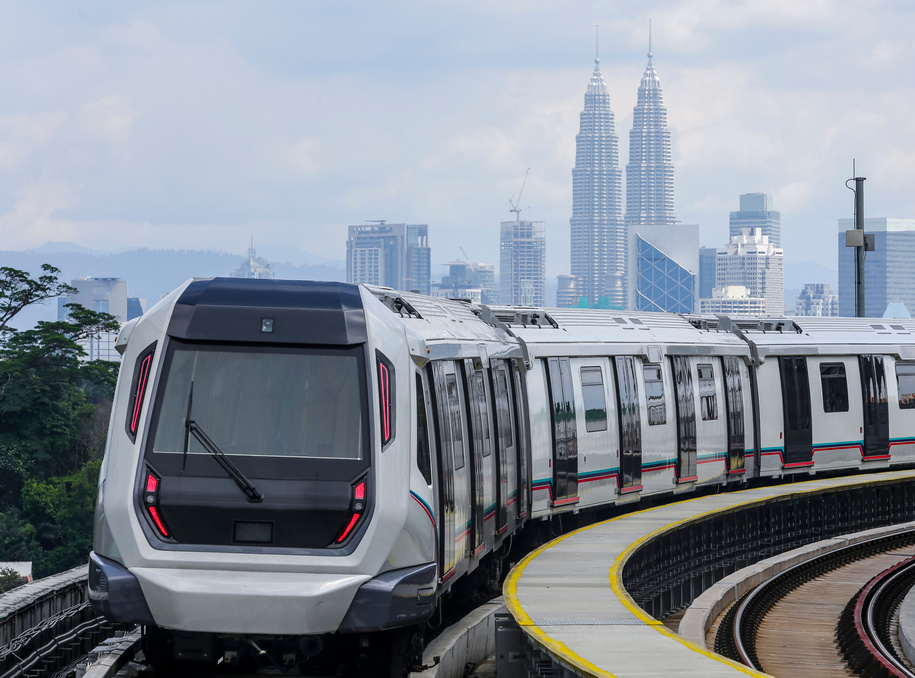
[(254, 266), (752, 261), (732, 300), (817, 300), (104, 295)]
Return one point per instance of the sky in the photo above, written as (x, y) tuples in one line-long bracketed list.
[(197, 125)]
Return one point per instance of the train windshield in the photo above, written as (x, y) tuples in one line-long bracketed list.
[(267, 402)]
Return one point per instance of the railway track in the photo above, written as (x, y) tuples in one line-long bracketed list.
[(865, 630), (790, 621)]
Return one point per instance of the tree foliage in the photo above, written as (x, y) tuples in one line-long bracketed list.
[(9, 579), (54, 407), (18, 289)]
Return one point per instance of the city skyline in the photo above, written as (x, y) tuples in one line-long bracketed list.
[(193, 125)]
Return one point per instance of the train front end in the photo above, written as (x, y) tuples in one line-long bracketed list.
[(253, 485)]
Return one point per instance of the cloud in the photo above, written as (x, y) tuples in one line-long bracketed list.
[(32, 222), (302, 156), (108, 118)]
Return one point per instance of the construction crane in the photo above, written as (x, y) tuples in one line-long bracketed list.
[(515, 208), (472, 268)]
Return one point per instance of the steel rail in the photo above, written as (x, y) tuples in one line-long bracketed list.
[(752, 608), (864, 628)]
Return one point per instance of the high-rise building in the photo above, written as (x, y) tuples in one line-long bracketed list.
[(598, 234), (254, 266), (732, 300), (103, 295), (664, 267), (817, 300), (756, 212), (887, 270), (707, 256), (522, 263), (650, 172), (392, 255), (752, 261), (466, 280), (567, 294)]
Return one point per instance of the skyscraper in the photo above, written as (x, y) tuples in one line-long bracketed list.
[(393, 255), (756, 212), (598, 256), (522, 263), (752, 261), (254, 266), (664, 263), (650, 172), (887, 270)]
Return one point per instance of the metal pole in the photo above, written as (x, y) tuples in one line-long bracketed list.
[(859, 251)]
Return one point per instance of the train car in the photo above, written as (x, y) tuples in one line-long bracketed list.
[(296, 465)]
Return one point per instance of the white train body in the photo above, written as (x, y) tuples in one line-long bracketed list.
[(459, 422)]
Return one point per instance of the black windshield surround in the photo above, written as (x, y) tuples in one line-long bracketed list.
[(278, 333)]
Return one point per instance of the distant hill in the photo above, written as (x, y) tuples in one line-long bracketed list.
[(149, 273)]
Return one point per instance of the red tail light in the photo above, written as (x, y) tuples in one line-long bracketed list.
[(358, 504), (384, 385), (138, 390), (151, 500), (386, 397)]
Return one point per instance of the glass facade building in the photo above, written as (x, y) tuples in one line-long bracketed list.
[(756, 212), (392, 255), (664, 267), (887, 270)]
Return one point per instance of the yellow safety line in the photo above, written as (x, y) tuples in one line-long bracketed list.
[(510, 587)]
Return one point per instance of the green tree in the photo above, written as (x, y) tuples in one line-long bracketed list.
[(9, 579), (18, 289), (61, 510), (47, 394), (54, 408)]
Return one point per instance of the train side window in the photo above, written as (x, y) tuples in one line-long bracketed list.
[(479, 394), (423, 453), (454, 414), (905, 378), (708, 399), (504, 418), (835, 387), (654, 395), (592, 390)]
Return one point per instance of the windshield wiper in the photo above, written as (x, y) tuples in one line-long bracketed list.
[(191, 427)]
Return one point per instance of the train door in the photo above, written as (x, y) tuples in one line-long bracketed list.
[(565, 441), (734, 401), (686, 418), (446, 467), (627, 397), (518, 397), (796, 404), (506, 448), (876, 407), (481, 449)]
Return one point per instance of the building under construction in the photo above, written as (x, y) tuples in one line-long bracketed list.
[(522, 263)]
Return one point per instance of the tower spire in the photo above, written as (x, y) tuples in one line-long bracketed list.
[(596, 43), (649, 38)]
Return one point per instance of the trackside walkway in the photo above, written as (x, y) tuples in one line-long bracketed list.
[(568, 597)]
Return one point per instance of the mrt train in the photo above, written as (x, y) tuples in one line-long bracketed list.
[(295, 465)]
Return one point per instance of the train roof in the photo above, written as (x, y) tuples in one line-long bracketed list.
[(547, 330)]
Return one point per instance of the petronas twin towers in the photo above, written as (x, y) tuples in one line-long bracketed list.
[(599, 229)]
